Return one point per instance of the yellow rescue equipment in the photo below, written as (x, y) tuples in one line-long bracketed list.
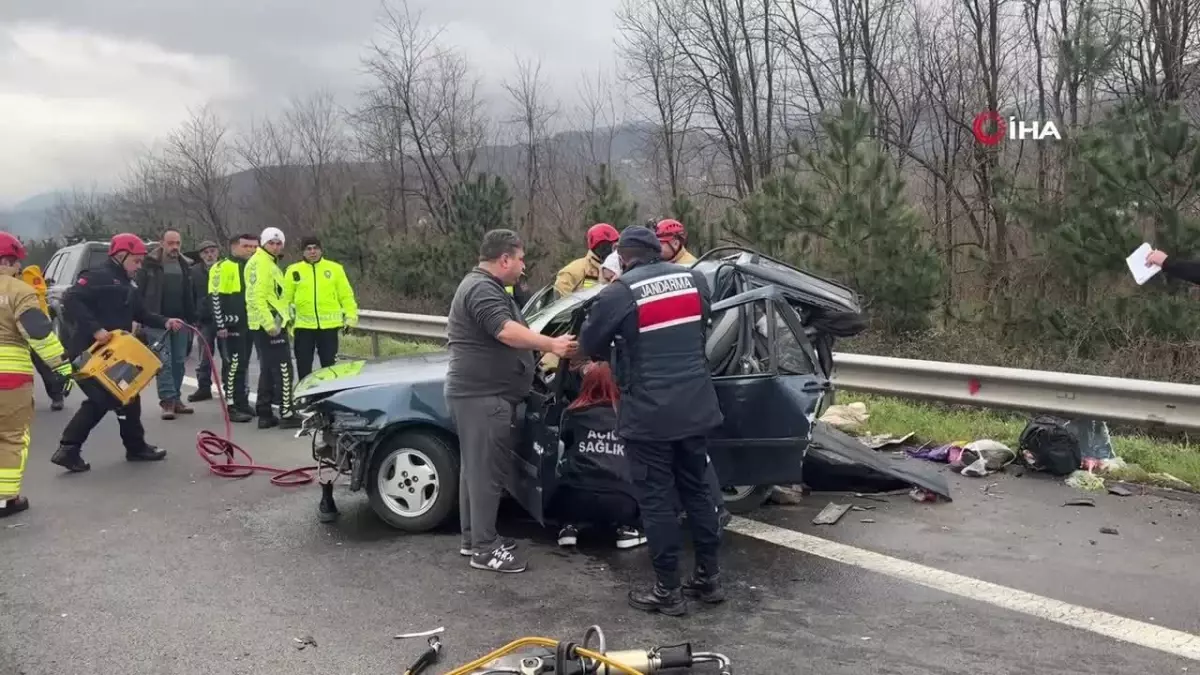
[(122, 368), (32, 275)]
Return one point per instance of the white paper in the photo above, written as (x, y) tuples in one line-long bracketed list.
[(1137, 264)]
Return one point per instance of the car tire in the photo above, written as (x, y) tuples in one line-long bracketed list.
[(417, 510), (741, 499)]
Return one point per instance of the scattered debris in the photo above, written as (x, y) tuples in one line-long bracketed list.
[(831, 514), (881, 441), (302, 642), (1080, 501), (15, 526), (1084, 480), (982, 457), (856, 507), (847, 417), (874, 498), (1119, 490), (786, 496), (987, 490), (918, 494), (426, 633), (867, 520), (1108, 530)]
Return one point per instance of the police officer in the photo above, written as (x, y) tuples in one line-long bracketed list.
[(25, 329), (320, 293), (104, 300), (584, 272), (227, 295), (268, 316), (656, 313)]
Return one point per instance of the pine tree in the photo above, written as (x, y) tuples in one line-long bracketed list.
[(607, 202), (350, 234)]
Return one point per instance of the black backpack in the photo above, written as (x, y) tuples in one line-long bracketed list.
[(1049, 445)]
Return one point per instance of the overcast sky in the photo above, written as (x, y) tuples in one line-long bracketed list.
[(85, 84)]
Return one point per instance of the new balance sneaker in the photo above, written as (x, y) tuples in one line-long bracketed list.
[(568, 536), (506, 544), (628, 537), (498, 560)]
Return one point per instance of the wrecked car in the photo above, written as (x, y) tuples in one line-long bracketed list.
[(386, 427)]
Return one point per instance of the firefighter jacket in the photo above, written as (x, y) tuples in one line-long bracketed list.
[(227, 294), (578, 274), (651, 322), (24, 326), (593, 456), (320, 294), (684, 257), (265, 308), (103, 298)]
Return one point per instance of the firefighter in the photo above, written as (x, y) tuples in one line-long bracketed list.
[(673, 238), (268, 316), (104, 300), (227, 296), (656, 313), (319, 292), (584, 272), (24, 329)]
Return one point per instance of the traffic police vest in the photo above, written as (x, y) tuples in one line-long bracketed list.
[(320, 294), (265, 307), (227, 292), (667, 392)]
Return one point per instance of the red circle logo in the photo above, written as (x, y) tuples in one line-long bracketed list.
[(979, 127)]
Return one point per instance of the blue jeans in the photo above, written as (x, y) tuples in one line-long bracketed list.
[(174, 359)]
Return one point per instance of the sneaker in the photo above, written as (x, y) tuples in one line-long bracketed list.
[(659, 599), (168, 410), (628, 537), (568, 536), (499, 560), (506, 544), (13, 505)]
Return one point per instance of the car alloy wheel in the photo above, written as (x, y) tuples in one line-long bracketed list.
[(408, 482)]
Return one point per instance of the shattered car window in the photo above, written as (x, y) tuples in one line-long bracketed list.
[(793, 359)]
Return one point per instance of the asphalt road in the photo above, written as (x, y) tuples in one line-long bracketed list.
[(163, 569)]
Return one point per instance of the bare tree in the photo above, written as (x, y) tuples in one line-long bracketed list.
[(532, 114), (197, 162), (320, 144)]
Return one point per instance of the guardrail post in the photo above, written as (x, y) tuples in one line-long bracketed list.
[(374, 345)]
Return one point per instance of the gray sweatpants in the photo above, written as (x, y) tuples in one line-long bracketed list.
[(485, 441)]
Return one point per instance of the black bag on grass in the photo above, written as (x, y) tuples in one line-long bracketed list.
[(1049, 445)]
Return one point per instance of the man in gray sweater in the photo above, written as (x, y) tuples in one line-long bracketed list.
[(491, 371)]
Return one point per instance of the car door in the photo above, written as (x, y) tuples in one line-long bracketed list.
[(531, 478), (769, 392)]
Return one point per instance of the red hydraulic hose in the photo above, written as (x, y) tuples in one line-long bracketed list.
[(210, 446)]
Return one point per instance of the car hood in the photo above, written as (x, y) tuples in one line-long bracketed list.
[(413, 369)]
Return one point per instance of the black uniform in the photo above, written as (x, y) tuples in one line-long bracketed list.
[(227, 294), (104, 298), (593, 472), (657, 313)]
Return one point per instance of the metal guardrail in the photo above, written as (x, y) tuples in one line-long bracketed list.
[(1083, 396)]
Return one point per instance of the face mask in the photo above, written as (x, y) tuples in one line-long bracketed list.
[(603, 249)]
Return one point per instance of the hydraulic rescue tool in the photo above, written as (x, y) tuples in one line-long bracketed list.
[(568, 658), (122, 367)]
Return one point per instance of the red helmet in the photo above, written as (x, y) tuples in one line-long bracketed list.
[(126, 243), (669, 229), (11, 247), (602, 232)]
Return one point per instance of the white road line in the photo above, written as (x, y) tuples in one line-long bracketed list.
[(1094, 621), (1120, 628)]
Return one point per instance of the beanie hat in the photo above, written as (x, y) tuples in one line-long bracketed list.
[(271, 234), (309, 241)]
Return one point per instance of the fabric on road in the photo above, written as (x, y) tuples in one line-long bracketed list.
[(163, 568)]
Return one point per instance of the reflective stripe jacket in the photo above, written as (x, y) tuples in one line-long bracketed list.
[(17, 298), (265, 307), (227, 293), (578, 274), (321, 295)]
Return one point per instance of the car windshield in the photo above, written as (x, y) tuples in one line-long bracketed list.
[(559, 309)]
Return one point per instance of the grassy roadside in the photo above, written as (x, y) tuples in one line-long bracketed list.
[(930, 422), (934, 423)]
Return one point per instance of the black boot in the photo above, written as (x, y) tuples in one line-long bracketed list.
[(56, 404), (148, 453), (704, 587), (68, 457), (292, 421), (327, 511), (13, 506), (659, 599), (266, 421), (202, 394), (239, 415)]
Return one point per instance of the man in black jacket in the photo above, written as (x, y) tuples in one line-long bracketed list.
[(164, 286), (206, 256), (656, 313), (101, 301)]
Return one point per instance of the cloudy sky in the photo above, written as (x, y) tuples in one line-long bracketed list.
[(86, 84)]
